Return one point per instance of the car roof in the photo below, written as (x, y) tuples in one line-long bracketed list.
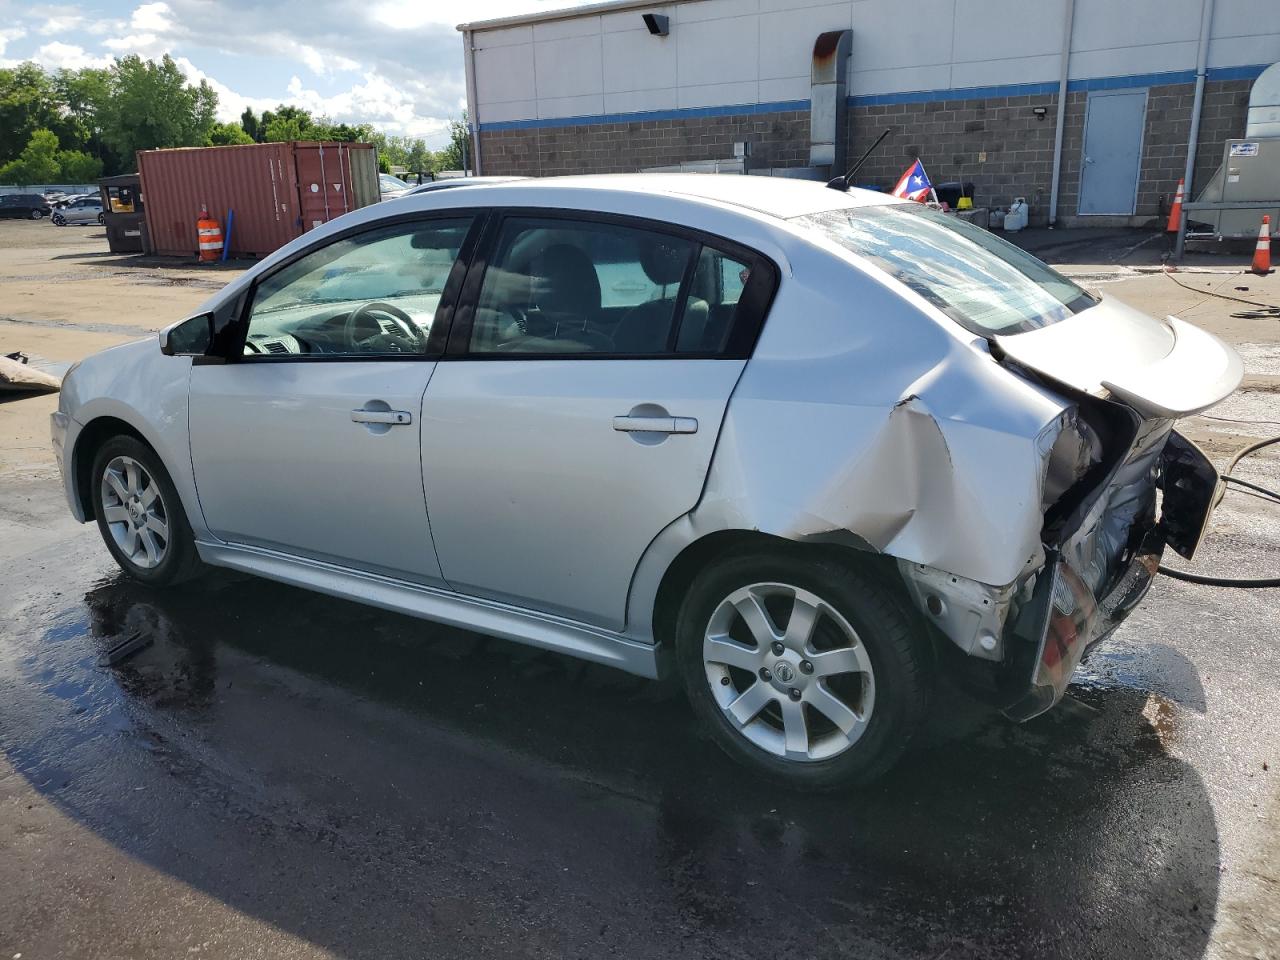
[(782, 197)]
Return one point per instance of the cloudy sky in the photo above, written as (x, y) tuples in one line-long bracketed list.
[(397, 65)]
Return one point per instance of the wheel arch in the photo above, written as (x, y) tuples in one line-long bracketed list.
[(90, 439), (695, 556)]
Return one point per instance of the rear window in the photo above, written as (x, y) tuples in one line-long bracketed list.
[(984, 283)]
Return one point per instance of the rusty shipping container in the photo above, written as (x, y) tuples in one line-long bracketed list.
[(278, 191)]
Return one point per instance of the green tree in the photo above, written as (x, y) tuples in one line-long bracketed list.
[(457, 152), (284, 129), (28, 103), (226, 134), (76, 166), (152, 105), (38, 162), (249, 123), (324, 129)]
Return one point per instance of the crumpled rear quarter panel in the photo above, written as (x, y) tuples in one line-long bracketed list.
[(859, 413)]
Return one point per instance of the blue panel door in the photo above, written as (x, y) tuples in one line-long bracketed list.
[(1113, 127)]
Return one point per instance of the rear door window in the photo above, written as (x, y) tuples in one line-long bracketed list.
[(572, 288)]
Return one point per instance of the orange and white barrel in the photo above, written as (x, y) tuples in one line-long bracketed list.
[(209, 234)]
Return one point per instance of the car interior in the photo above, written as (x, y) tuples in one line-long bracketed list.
[(604, 289)]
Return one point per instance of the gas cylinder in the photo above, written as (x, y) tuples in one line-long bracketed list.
[(1016, 218), (210, 236)]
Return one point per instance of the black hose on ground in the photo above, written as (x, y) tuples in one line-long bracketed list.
[(1258, 583)]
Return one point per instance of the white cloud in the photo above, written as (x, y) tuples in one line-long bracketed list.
[(58, 55), (9, 34), (377, 100), (230, 103), (153, 18)]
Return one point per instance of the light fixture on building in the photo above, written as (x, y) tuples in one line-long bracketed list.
[(657, 24), (1040, 112)]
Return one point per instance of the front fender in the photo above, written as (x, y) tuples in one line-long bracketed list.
[(138, 385)]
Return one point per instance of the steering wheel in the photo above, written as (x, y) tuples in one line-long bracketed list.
[(402, 320)]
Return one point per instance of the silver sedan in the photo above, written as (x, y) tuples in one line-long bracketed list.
[(81, 210), (810, 449)]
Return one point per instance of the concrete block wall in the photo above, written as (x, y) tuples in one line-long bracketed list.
[(778, 139), (949, 135)]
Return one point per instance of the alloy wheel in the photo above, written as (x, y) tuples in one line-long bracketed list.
[(788, 671), (134, 511)]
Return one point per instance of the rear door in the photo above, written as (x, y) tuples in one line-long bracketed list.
[(576, 411)]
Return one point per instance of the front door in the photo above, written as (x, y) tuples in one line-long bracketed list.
[(1113, 127), (578, 409), (308, 443)]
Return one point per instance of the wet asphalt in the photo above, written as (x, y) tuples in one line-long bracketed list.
[(276, 773)]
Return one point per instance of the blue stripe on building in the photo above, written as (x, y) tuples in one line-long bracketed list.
[(1248, 72)]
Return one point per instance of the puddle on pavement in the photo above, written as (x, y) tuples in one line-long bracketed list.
[(345, 727)]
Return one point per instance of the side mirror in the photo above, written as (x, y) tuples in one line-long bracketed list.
[(192, 337)]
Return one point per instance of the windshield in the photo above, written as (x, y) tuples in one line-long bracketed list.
[(389, 182), (984, 283)]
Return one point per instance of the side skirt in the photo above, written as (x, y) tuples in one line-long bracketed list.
[(469, 613)]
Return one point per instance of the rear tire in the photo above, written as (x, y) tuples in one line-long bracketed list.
[(140, 515), (823, 701), (37, 214)]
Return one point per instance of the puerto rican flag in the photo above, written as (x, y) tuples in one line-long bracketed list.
[(914, 184)]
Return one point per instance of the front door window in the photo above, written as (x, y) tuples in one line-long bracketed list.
[(374, 293)]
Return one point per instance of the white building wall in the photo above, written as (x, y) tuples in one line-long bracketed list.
[(746, 52)]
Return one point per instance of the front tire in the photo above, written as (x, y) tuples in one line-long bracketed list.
[(802, 668), (59, 220), (139, 514)]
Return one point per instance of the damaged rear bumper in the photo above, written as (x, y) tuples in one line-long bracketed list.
[(1065, 617), (1035, 632)]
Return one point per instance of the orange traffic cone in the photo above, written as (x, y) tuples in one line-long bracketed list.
[(1262, 252), (1175, 212)]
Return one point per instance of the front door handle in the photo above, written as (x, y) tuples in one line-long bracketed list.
[(631, 424), (392, 417)]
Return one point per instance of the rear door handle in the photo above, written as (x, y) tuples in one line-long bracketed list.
[(392, 417), (655, 424)]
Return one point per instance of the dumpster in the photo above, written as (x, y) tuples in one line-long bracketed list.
[(278, 191)]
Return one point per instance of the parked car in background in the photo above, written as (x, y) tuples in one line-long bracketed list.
[(391, 186), (83, 210), (808, 448), (28, 206), (66, 200), (433, 185)]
